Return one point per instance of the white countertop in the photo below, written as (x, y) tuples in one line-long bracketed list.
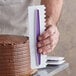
[(52, 70)]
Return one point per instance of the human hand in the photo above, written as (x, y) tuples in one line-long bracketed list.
[(48, 40)]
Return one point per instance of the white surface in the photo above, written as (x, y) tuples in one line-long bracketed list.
[(52, 70), (55, 62), (54, 58)]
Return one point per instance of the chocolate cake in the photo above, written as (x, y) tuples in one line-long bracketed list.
[(14, 55)]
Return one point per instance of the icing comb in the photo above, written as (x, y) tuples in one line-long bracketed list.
[(36, 18)]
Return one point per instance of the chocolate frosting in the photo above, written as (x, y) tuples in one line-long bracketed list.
[(14, 55), (12, 39)]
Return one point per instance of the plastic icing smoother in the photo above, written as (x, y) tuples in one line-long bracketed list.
[(36, 17)]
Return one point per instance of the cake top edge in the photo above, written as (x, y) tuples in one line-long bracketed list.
[(13, 39)]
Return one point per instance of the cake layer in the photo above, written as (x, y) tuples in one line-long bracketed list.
[(14, 55), (12, 39)]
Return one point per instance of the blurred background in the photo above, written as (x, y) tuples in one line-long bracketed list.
[(67, 43)]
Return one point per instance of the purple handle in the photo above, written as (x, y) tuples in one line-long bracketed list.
[(37, 17)]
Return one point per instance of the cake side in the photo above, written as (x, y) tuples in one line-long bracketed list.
[(14, 55)]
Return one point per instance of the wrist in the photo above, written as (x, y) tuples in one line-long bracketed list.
[(49, 22)]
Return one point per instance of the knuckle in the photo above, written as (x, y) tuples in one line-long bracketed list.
[(40, 37), (40, 49), (39, 44), (46, 41)]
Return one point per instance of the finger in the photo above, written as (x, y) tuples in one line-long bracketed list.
[(40, 50), (44, 35), (51, 47), (39, 44), (44, 42), (46, 48)]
